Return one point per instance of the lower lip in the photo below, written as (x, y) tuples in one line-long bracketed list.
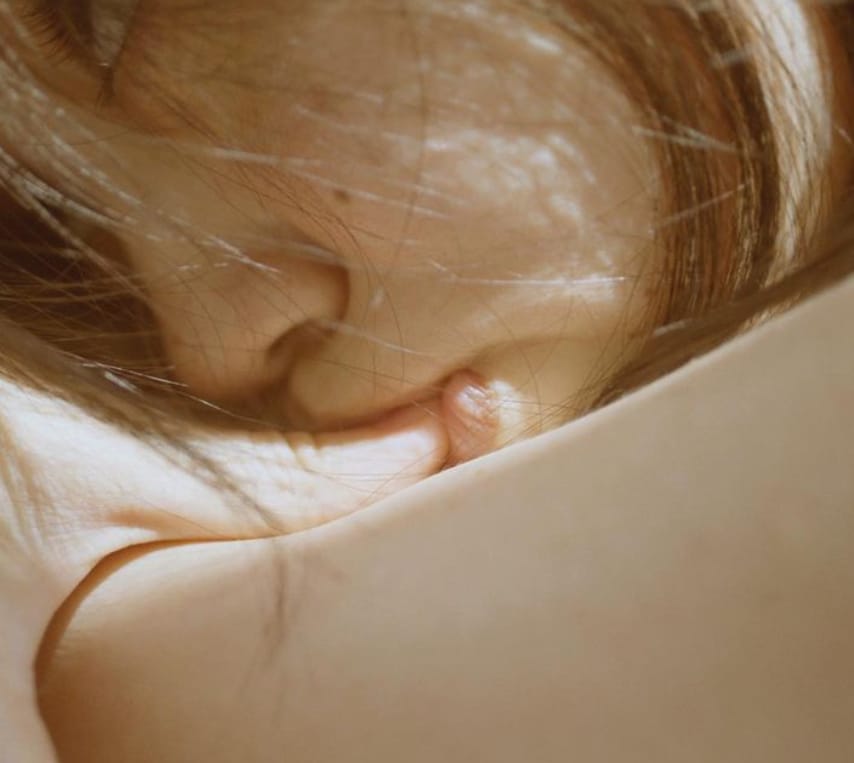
[(469, 412), (466, 408)]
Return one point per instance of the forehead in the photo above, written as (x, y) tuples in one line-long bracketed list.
[(400, 63)]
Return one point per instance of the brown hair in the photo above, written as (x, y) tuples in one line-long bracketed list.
[(726, 204), (701, 80)]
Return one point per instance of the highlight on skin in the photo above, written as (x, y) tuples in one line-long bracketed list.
[(279, 227), (489, 215), (264, 263)]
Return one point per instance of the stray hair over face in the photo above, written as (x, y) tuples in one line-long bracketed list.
[(738, 113)]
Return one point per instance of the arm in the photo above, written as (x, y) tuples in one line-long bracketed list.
[(23, 737), (670, 579)]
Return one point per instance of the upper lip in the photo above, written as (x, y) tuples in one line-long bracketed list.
[(299, 419)]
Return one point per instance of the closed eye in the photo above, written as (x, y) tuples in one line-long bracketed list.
[(64, 27), (91, 32)]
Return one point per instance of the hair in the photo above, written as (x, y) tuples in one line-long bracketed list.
[(744, 229)]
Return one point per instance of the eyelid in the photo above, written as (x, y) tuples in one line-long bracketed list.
[(92, 29), (62, 25), (94, 32)]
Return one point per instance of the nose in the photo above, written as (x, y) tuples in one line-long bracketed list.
[(399, 349), (230, 330)]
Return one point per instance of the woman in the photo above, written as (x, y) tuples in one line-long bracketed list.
[(494, 214)]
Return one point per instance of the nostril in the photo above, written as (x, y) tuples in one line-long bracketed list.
[(232, 333), (283, 352), (286, 347)]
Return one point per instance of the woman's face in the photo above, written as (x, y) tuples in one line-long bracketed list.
[(339, 204)]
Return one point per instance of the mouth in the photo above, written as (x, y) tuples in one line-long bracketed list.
[(464, 405), (469, 410)]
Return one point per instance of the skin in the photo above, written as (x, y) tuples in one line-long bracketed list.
[(80, 491), (407, 190), (698, 607), (408, 177), (243, 330)]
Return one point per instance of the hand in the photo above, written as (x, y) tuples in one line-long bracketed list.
[(80, 490)]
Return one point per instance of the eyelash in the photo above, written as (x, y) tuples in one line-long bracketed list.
[(50, 22), (64, 29)]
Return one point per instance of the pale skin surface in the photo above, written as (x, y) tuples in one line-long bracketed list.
[(96, 491), (408, 184), (670, 579), (520, 210), (374, 170), (470, 215)]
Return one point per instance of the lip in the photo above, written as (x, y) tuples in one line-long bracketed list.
[(299, 419), (469, 410), (464, 404), (305, 419)]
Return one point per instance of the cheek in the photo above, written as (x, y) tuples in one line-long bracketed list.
[(513, 221)]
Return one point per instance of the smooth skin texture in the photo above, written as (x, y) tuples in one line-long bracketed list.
[(353, 200), (406, 185), (83, 490), (668, 579), (411, 176)]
